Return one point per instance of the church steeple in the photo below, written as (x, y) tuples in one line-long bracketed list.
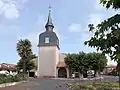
[(49, 25)]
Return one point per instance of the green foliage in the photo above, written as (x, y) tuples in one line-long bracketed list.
[(30, 64), (107, 34), (115, 4), (8, 79), (96, 61), (24, 49), (82, 62), (94, 86), (113, 73), (106, 37), (79, 86), (76, 62), (70, 60)]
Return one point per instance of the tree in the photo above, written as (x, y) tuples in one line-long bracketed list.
[(77, 62), (107, 34), (13, 69), (25, 52), (115, 4), (30, 64), (82, 64), (70, 61), (97, 62)]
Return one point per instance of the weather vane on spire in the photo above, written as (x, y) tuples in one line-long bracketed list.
[(50, 8)]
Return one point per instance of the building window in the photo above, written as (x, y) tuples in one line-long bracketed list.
[(47, 40)]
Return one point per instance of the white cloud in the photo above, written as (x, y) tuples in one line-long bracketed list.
[(10, 11), (94, 18), (84, 34), (10, 8), (74, 27)]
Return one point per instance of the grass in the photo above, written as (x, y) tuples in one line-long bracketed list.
[(95, 86)]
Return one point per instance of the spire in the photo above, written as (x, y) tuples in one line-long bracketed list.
[(49, 25)]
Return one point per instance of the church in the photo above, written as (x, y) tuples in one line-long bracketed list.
[(50, 62)]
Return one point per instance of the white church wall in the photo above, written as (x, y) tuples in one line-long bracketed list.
[(47, 61), (57, 56)]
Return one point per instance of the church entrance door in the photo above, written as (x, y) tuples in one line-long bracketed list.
[(62, 72), (31, 74)]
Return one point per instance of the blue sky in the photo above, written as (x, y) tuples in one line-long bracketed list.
[(20, 19)]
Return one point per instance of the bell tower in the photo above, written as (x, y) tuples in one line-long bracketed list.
[(48, 50)]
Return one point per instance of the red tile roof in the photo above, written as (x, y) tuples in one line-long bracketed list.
[(61, 64), (5, 65)]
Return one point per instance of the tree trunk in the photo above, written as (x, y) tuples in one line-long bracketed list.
[(71, 73), (96, 74), (80, 75), (24, 69)]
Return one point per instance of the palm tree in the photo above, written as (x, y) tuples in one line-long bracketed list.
[(24, 51)]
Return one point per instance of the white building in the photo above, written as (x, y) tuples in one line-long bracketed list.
[(8, 69)]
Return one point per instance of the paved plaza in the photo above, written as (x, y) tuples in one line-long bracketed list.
[(53, 84), (40, 84)]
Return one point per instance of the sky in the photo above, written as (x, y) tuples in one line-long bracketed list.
[(25, 19)]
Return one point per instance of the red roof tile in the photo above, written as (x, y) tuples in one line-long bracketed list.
[(5, 65), (61, 64)]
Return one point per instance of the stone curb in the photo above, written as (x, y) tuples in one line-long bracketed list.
[(10, 84), (78, 78)]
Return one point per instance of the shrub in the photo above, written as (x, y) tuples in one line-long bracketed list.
[(10, 78), (94, 86), (113, 73), (79, 86)]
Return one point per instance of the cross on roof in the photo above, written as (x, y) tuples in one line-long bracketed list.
[(49, 7)]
